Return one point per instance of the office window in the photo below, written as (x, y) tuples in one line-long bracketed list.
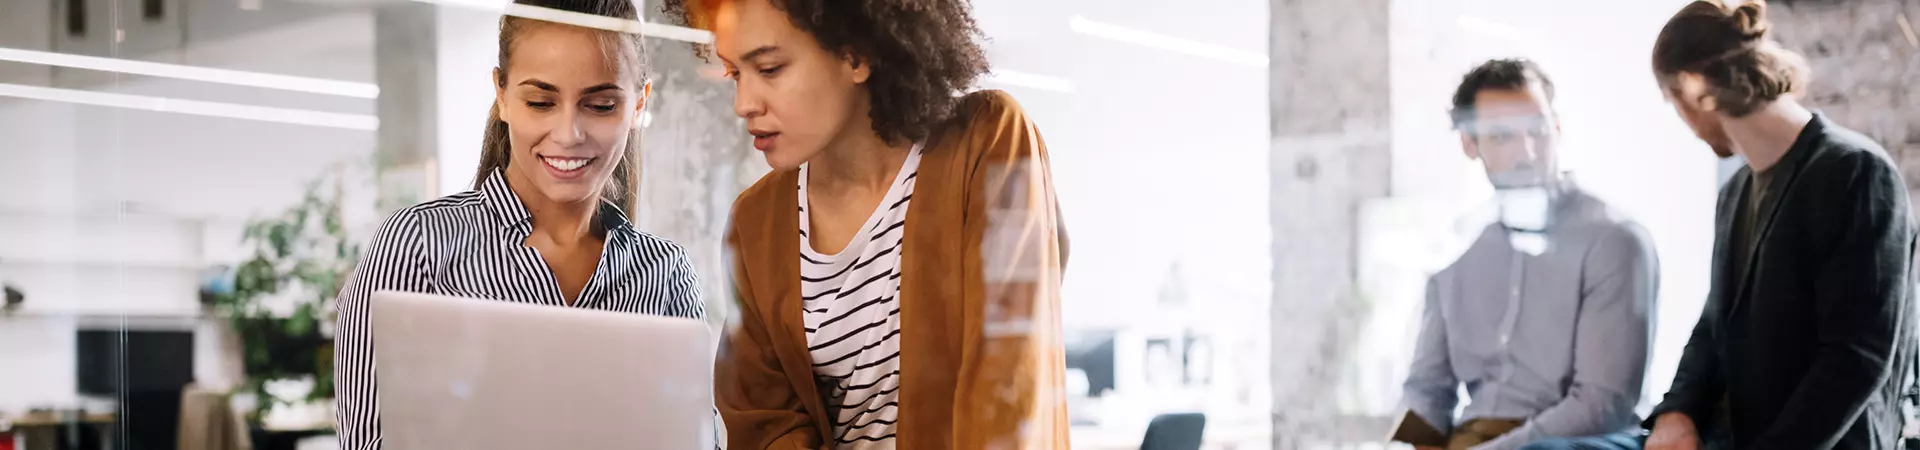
[(77, 18), (153, 10)]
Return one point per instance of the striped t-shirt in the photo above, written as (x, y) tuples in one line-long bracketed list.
[(852, 302)]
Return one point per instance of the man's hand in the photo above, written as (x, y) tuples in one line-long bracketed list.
[(1673, 431)]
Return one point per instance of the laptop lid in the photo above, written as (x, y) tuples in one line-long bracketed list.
[(487, 374)]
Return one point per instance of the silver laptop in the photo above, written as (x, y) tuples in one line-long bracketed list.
[(460, 373)]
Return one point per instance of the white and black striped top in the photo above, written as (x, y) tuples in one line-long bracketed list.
[(853, 317), (471, 244)]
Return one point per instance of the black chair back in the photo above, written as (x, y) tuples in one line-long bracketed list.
[(1175, 432)]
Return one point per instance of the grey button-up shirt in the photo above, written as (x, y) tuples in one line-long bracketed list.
[(1559, 339)]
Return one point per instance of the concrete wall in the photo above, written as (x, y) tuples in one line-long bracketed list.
[(1866, 67)]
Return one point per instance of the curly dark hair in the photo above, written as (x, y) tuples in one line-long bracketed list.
[(922, 52)]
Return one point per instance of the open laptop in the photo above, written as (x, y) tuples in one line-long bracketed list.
[(460, 373)]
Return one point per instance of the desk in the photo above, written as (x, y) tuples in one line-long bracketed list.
[(40, 430), (51, 419), (287, 426), (268, 439)]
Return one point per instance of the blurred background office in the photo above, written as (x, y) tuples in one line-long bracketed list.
[(1257, 190)]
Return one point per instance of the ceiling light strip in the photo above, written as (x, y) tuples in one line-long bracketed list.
[(1145, 38), (648, 29), (360, 122), (194, 73)]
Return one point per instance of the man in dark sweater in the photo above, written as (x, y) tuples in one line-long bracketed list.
[(1803, 342)]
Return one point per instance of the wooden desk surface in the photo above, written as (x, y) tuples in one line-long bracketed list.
[(50, 419)]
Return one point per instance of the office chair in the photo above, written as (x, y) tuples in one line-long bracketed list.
[(1175, 432)]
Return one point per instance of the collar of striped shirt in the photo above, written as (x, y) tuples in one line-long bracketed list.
[(511, 214)]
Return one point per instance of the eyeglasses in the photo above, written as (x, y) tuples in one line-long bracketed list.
[(1511, 131)]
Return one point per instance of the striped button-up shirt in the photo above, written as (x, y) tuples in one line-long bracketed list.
[(472, 244)]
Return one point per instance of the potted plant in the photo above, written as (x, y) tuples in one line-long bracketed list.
[(279, 303)]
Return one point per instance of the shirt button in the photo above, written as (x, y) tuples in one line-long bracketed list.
[(1503, 338)]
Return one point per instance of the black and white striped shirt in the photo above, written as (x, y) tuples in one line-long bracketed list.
[(853, 317), (472, 244)]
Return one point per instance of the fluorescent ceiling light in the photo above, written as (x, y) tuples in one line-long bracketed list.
[(675, 32), (1028, 80), (194, 107), (194, 73), (649, 29), (484, 5), (1164, 42)]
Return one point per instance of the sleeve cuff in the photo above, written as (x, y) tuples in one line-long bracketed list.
[(1670, 407)]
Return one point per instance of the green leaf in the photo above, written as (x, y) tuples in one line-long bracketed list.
[(331, 222), (258, 358), (302, 323), (326, 286), (280, 237), (255, 278), (299, 221)]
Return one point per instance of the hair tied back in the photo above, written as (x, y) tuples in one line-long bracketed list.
[(1750, 20)]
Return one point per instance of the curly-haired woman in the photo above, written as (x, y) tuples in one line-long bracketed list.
[(898, 271)]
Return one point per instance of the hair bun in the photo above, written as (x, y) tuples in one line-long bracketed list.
[(1750, 20)]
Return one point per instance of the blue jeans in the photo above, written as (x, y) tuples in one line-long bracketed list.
[(1615, 441)]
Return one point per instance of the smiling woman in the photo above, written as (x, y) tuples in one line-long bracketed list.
[(546, 220), (606, 87)]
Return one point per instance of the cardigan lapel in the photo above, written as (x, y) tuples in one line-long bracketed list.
[(780, 227), (933, 297)]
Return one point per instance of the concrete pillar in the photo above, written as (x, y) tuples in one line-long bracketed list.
[(405, 68), (433, 65), (1330, 151), (695, 160)]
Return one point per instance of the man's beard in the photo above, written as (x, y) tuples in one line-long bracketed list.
[(1717, 139), (1724, 151)]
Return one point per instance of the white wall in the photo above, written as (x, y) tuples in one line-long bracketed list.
[(468, 48), (1160, 160)]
